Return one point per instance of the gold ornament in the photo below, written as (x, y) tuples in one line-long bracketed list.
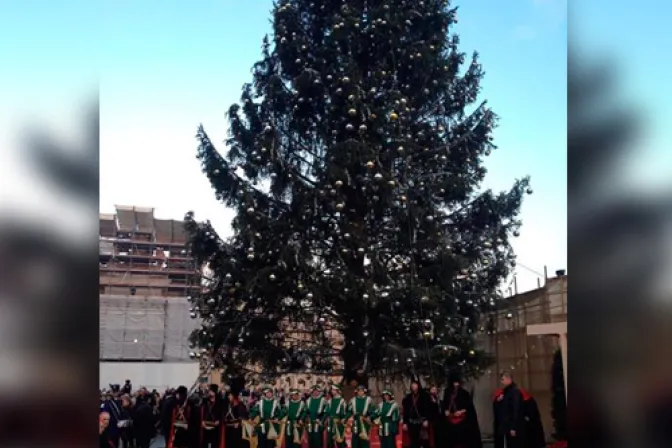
[(394, 116), (370, 164)]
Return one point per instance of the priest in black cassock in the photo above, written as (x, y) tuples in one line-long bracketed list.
[(461, 429)]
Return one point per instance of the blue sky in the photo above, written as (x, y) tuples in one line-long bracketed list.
[(164, 67)]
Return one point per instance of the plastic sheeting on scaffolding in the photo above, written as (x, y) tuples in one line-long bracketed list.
[(135, 328)]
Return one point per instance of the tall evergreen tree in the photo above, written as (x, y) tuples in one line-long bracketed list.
[(354, 165)]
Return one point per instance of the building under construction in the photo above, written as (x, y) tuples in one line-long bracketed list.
[(528, 358), (144, 256), (146, 277)]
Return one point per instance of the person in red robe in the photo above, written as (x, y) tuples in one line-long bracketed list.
[(182, 417), (212, 426), (235, 414)]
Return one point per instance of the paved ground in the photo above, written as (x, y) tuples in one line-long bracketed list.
[(158, 442)]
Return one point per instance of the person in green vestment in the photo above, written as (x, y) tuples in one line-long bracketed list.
[(336, 415), (266, 414), (361, 410), (387, 419), (295, 413), (316, 406)]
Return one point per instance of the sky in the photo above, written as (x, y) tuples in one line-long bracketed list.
[(164, 67)]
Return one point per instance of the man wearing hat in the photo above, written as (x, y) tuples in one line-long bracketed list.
[(387, 419), (295, 413), (266, 414), (336, 414), (361, 411), (316, 405)]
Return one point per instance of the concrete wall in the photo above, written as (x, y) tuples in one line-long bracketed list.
[(529, 358), (152, 375)]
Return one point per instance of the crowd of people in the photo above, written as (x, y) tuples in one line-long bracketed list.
[(319, 418)]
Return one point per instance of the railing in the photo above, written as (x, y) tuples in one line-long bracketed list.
[(144, 242), (152, 269), (144, 255)]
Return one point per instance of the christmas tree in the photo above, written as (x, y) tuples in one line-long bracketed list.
[(354, 163)]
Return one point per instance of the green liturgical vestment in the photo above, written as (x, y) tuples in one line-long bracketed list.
[(315, 421), (264, 412), (362, 410), (336, 414), (387, 419), (294, 413)]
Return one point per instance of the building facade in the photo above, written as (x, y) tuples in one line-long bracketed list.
[(146, 277), (144, 256), (528, 358)]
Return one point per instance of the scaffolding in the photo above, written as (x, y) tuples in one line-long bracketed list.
[(143, 256), (146, 278), (144, 329)]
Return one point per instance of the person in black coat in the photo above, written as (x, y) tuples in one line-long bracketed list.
[(509, 415), (416, 414), (534, 429), (436, 422), (143, 425), (113, 408), (235, 414), (103, 430), (461, 421), (124, 421)]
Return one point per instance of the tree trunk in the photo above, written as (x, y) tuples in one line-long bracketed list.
[(352, 375)]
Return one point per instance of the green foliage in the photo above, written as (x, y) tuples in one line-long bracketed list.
[(354, 165)]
